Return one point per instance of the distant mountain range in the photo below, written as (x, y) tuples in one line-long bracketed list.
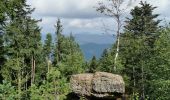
[(86, 38), (92, 49), (92, 44)]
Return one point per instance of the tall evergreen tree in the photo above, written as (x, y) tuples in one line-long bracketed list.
[(59, 40), (2, 53), (67, 55), (159, 67), (137, 45), (48, 46), (93, 65), (47, 50), (74, 59), (106, 61), (22, 42), (2, 23)]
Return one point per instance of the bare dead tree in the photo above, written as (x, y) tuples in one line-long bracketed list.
[(114, 9)]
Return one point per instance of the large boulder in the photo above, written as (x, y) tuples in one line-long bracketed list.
[(81, 84), (99, 84)]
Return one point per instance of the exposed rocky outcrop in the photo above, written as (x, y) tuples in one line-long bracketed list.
[(81, 84), (99, 84)]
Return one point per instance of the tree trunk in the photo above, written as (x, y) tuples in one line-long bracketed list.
[(55, 90), (19, 84), (134, 81), (26, 84), (33, 70), (117, 42), (143, 86), (19, 77), (48, 64)]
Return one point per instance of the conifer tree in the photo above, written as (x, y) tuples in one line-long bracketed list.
[(22, 42), (2, 53), (59, 40), (159, 67), (47, 50), (93, 65), (2, 23), (67, 54), (137, 45), (74, 59), (106, 61), (7, 91)]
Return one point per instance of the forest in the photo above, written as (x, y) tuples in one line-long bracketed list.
[(32, 69)]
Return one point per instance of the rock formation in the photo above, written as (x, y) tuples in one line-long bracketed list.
[(99, 84)]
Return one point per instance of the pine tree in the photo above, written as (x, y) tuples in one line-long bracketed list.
[(67, 54), (48, 45), (137, 45), (74, 59), (54, 87), (7, 91), (22, 43), (2, 49), (106, 61), (159, 67), (93, 65), (59, 40), (47, 50), (143, 22), (2, 53)]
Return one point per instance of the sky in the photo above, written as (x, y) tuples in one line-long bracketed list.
[(80, 16)]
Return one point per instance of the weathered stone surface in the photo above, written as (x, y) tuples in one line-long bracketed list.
[(81, 84), (99, 84)]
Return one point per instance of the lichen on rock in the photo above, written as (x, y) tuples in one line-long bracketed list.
[(99, 84)]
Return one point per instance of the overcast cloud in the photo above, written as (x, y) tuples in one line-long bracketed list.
[(79, 16)]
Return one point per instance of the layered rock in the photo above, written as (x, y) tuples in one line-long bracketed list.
[(99, 84)]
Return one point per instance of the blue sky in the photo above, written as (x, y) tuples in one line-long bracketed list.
[(80, 16)]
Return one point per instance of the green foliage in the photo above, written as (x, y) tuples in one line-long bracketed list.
[(145, 53), (159, 67), (22, 43), (137, 43), (7, 91), (47, 48), (135, 96), (106, 61), (47, 54), (160, 89), (2, 13), (54, 87), (2, 32), (41, 72), (93, 65), (2, 51), (67, 54), (160, 61)]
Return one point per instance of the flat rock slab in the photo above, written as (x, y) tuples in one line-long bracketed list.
[(99, 84)]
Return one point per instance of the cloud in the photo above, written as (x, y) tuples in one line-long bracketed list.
[(80, 15), (47, 25), (66, 8), (87, 23), (82, 8)]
